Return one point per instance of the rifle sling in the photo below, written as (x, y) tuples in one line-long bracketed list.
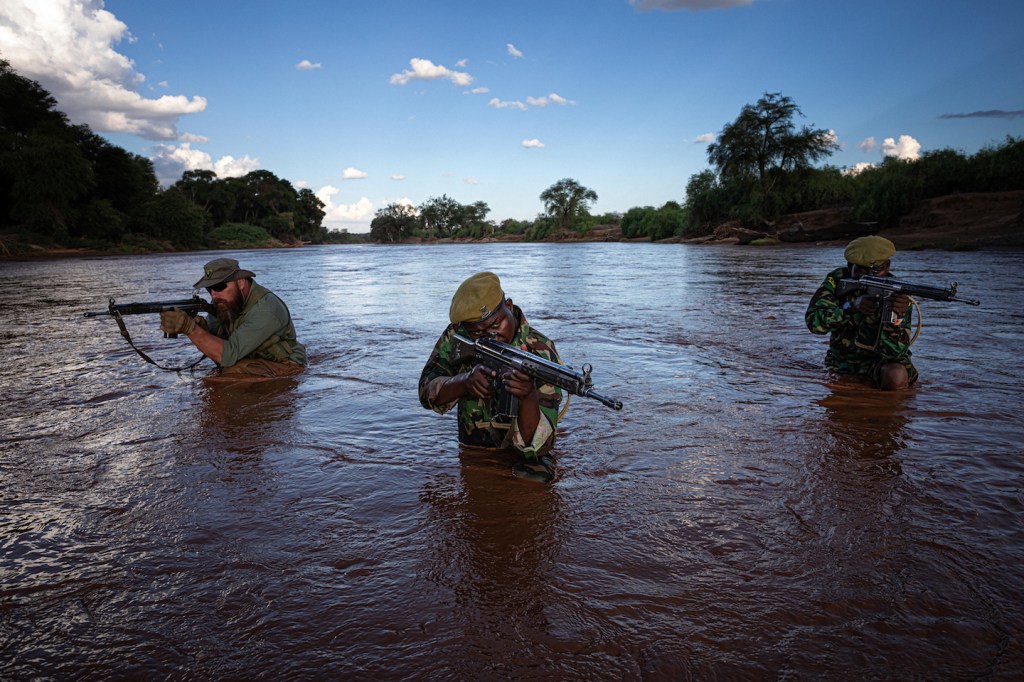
[(128, 337)]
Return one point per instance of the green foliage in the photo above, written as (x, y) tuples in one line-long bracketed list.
[(655, 223), (761, 151), (567, 201), (172, 217), (240, 235), (63, 184), (99, 220), (393, 223), (541, 228)]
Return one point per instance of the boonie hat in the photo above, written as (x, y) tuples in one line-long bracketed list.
[(869, 252), (221, 270), (476, 299)]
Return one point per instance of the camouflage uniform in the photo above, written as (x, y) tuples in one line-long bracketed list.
[(479, 423), (859, 344)]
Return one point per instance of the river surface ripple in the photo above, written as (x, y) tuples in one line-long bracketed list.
[(745, 516)]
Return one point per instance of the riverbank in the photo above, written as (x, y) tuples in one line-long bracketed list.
[(980, 220)]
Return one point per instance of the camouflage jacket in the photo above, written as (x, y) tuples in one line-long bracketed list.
[(480, 423), (855, 338)]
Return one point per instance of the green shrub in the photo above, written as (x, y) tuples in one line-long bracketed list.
[(240, 234)]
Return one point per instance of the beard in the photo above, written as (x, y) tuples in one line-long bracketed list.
[(227, 311)]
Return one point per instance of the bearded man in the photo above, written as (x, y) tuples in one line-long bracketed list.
[(250, 332)]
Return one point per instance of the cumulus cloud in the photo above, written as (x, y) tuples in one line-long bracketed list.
[(867, 144), (991, 113), (859, 168), (306, 65), (68, 47), (513, 51), (692, 5), (189, 137), (424, 69), (906, 148), (704, 139), (498, 104), (479, 91), (353, 174), (532, 144), (553, 98), (359, 212), (170, 161)]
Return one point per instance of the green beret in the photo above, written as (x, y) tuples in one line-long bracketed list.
[(476, 299), (870, 251)]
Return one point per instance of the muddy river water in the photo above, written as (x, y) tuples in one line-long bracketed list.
[(745, 516)]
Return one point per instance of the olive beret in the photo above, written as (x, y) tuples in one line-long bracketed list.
[(476, 299), (869, 251)]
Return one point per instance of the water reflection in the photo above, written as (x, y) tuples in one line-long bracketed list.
[(244, 416), (494, 542), (866, 425)]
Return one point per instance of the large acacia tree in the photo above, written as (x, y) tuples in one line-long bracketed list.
[(763, 142), (566, 201)]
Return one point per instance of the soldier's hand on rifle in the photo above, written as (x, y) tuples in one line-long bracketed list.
[(518, 383), (478, 382), (866, 305), (176, 322), (900, 303)]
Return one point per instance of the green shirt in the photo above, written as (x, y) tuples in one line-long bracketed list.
[(262, 330)]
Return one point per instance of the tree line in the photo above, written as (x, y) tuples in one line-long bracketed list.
[(63, 185), (762, 167)]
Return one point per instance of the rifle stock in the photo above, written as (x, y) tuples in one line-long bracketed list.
[(497, 354)]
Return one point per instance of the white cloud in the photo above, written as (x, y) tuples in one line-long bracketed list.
[(498, 104), (513, 51), (306, 65), (189, 137), (471, 181), (360, 212), (833, 138), (424, 69), (396, 176), (68, 47), (553, 98), (462, 63), (479, 91), (532, 144), (906, 148), (867, 144), (705, 138), (353, 174), (171, 161), (692, 5), (859, 168)]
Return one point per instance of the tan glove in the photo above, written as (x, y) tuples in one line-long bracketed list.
[(176, 322)]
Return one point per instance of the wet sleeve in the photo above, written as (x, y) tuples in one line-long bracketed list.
[(263, 320), (550, 397), (825, 313), (436, 373)]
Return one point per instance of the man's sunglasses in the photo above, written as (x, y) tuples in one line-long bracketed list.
[(217, 287)]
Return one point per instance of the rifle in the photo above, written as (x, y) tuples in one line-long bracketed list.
[(498, 355), (885, 287), (192, 306)]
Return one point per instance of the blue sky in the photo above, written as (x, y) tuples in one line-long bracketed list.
[(374, 102)]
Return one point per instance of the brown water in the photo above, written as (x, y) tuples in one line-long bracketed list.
[(744, 517)]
